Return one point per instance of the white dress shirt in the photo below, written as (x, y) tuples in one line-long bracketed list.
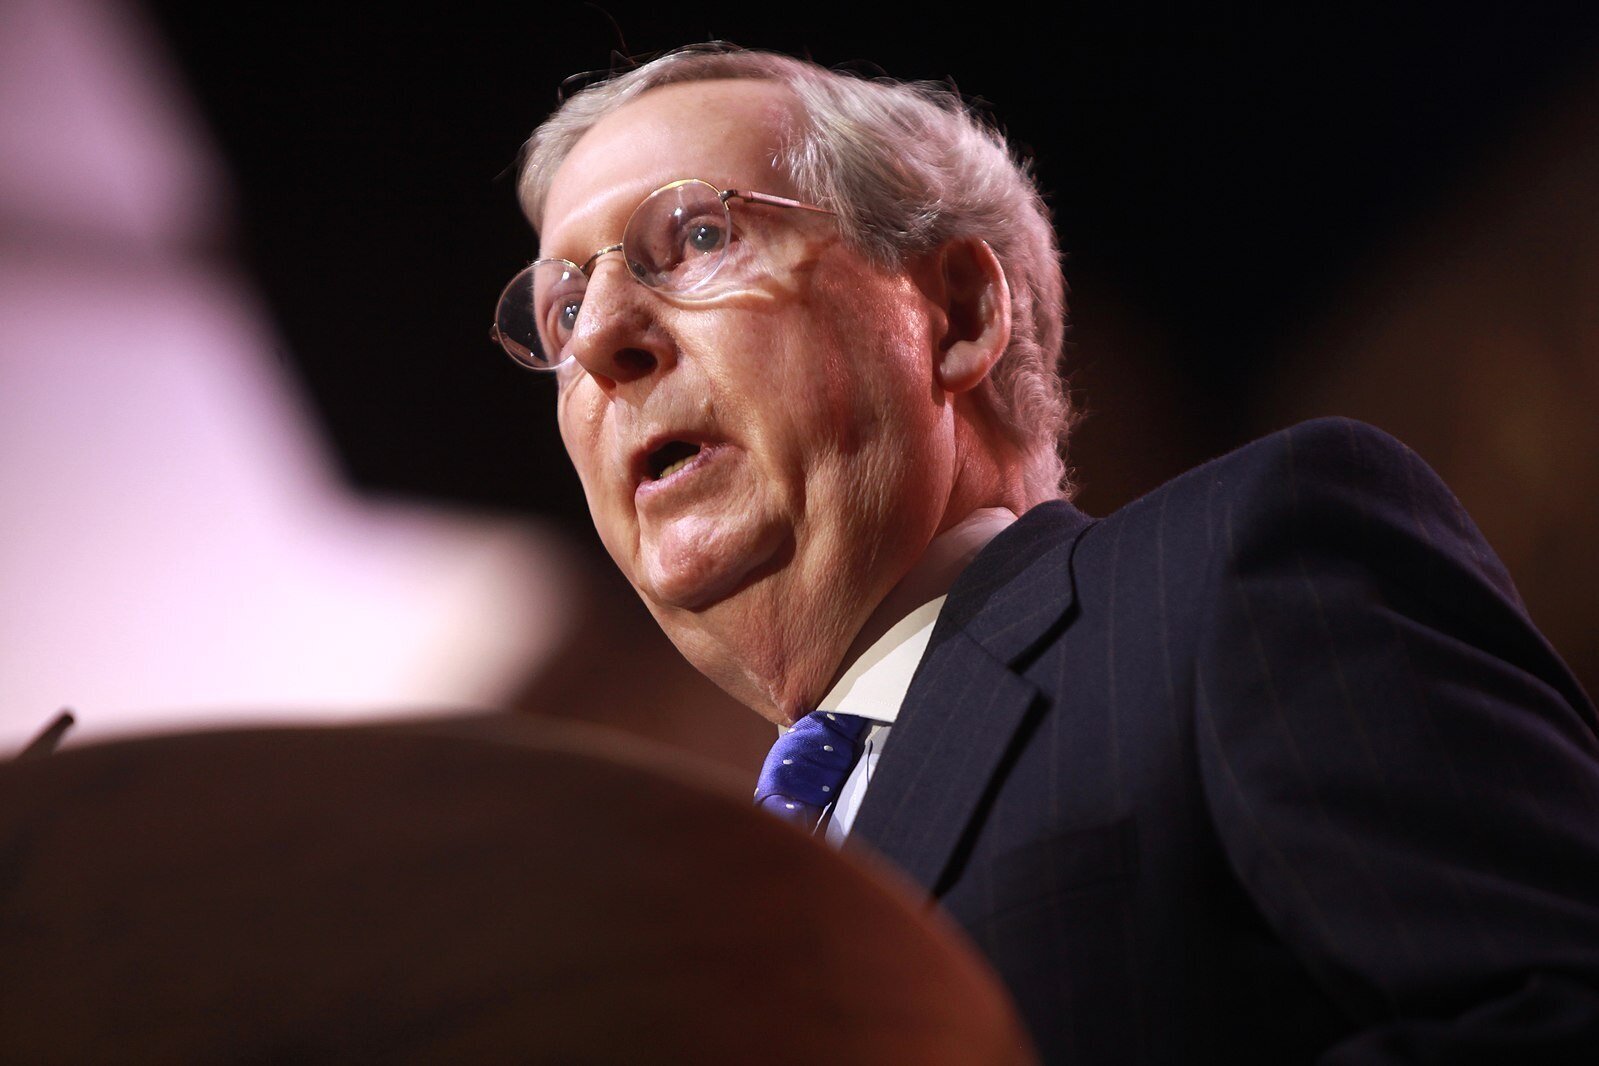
[(874, 681)]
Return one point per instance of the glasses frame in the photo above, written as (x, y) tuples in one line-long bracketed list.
[(512, 347)]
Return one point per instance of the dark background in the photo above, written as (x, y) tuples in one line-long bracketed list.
[(1215, 172)]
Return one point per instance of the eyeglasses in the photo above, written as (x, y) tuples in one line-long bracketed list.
[(676, 241)]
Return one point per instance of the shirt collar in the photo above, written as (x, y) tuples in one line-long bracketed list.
[(875, 679)]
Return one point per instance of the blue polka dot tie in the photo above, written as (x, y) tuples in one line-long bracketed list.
[(808, 765)]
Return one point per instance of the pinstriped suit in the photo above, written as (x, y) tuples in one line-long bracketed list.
[(1269, 766)]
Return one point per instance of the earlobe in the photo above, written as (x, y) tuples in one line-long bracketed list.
[(976, 301)]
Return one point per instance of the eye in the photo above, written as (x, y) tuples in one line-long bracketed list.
[(703, 238), (559, 318), (697, 244), (686, 237), (566, 316), (676, 238)]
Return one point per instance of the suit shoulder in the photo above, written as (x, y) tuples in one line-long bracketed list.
[(1324, 450), (1328, 469), (1333, 476), (1336, 503), (1328, 488)]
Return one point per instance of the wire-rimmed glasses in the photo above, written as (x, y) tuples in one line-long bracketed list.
[(676, 241)]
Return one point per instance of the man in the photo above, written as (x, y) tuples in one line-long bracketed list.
[(1269, 766)]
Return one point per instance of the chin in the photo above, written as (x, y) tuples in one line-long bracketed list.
[(689, 573), (696, 583), (675, 589)]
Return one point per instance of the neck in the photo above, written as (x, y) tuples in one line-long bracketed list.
[(803, 653), (933, 575), (787, 638)]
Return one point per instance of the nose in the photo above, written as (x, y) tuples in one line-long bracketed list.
[(618, 337)]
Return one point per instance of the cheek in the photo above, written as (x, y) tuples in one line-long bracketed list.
[(875, 371), (578, 433), (884, 405), (582, 432), (867, 360)]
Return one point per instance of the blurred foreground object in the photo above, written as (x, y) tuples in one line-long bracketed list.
[(175, 534), (484, 889)]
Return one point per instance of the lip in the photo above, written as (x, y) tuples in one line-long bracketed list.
[(644, 486)]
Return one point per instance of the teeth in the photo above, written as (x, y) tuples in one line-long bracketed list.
[(674, 468)]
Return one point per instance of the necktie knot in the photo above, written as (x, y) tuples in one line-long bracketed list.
[(809, 764)]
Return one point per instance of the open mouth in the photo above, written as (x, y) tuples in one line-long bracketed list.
[(669, 458)]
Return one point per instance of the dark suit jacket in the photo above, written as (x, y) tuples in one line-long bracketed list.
[(1269, 766)]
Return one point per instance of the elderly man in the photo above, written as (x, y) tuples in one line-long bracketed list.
[(1268, 766)]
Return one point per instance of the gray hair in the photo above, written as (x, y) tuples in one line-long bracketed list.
[(907, 166)]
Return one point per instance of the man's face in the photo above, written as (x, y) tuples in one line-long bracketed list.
[(824, 445)]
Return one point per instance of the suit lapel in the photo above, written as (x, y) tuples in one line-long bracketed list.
[(968, 697)]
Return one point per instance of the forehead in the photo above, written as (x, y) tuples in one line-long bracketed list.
[(727, 132)]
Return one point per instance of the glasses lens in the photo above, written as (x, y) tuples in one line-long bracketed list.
[(678, 237), (538, 311)]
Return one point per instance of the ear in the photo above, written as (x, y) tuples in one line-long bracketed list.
[(976, 303)]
